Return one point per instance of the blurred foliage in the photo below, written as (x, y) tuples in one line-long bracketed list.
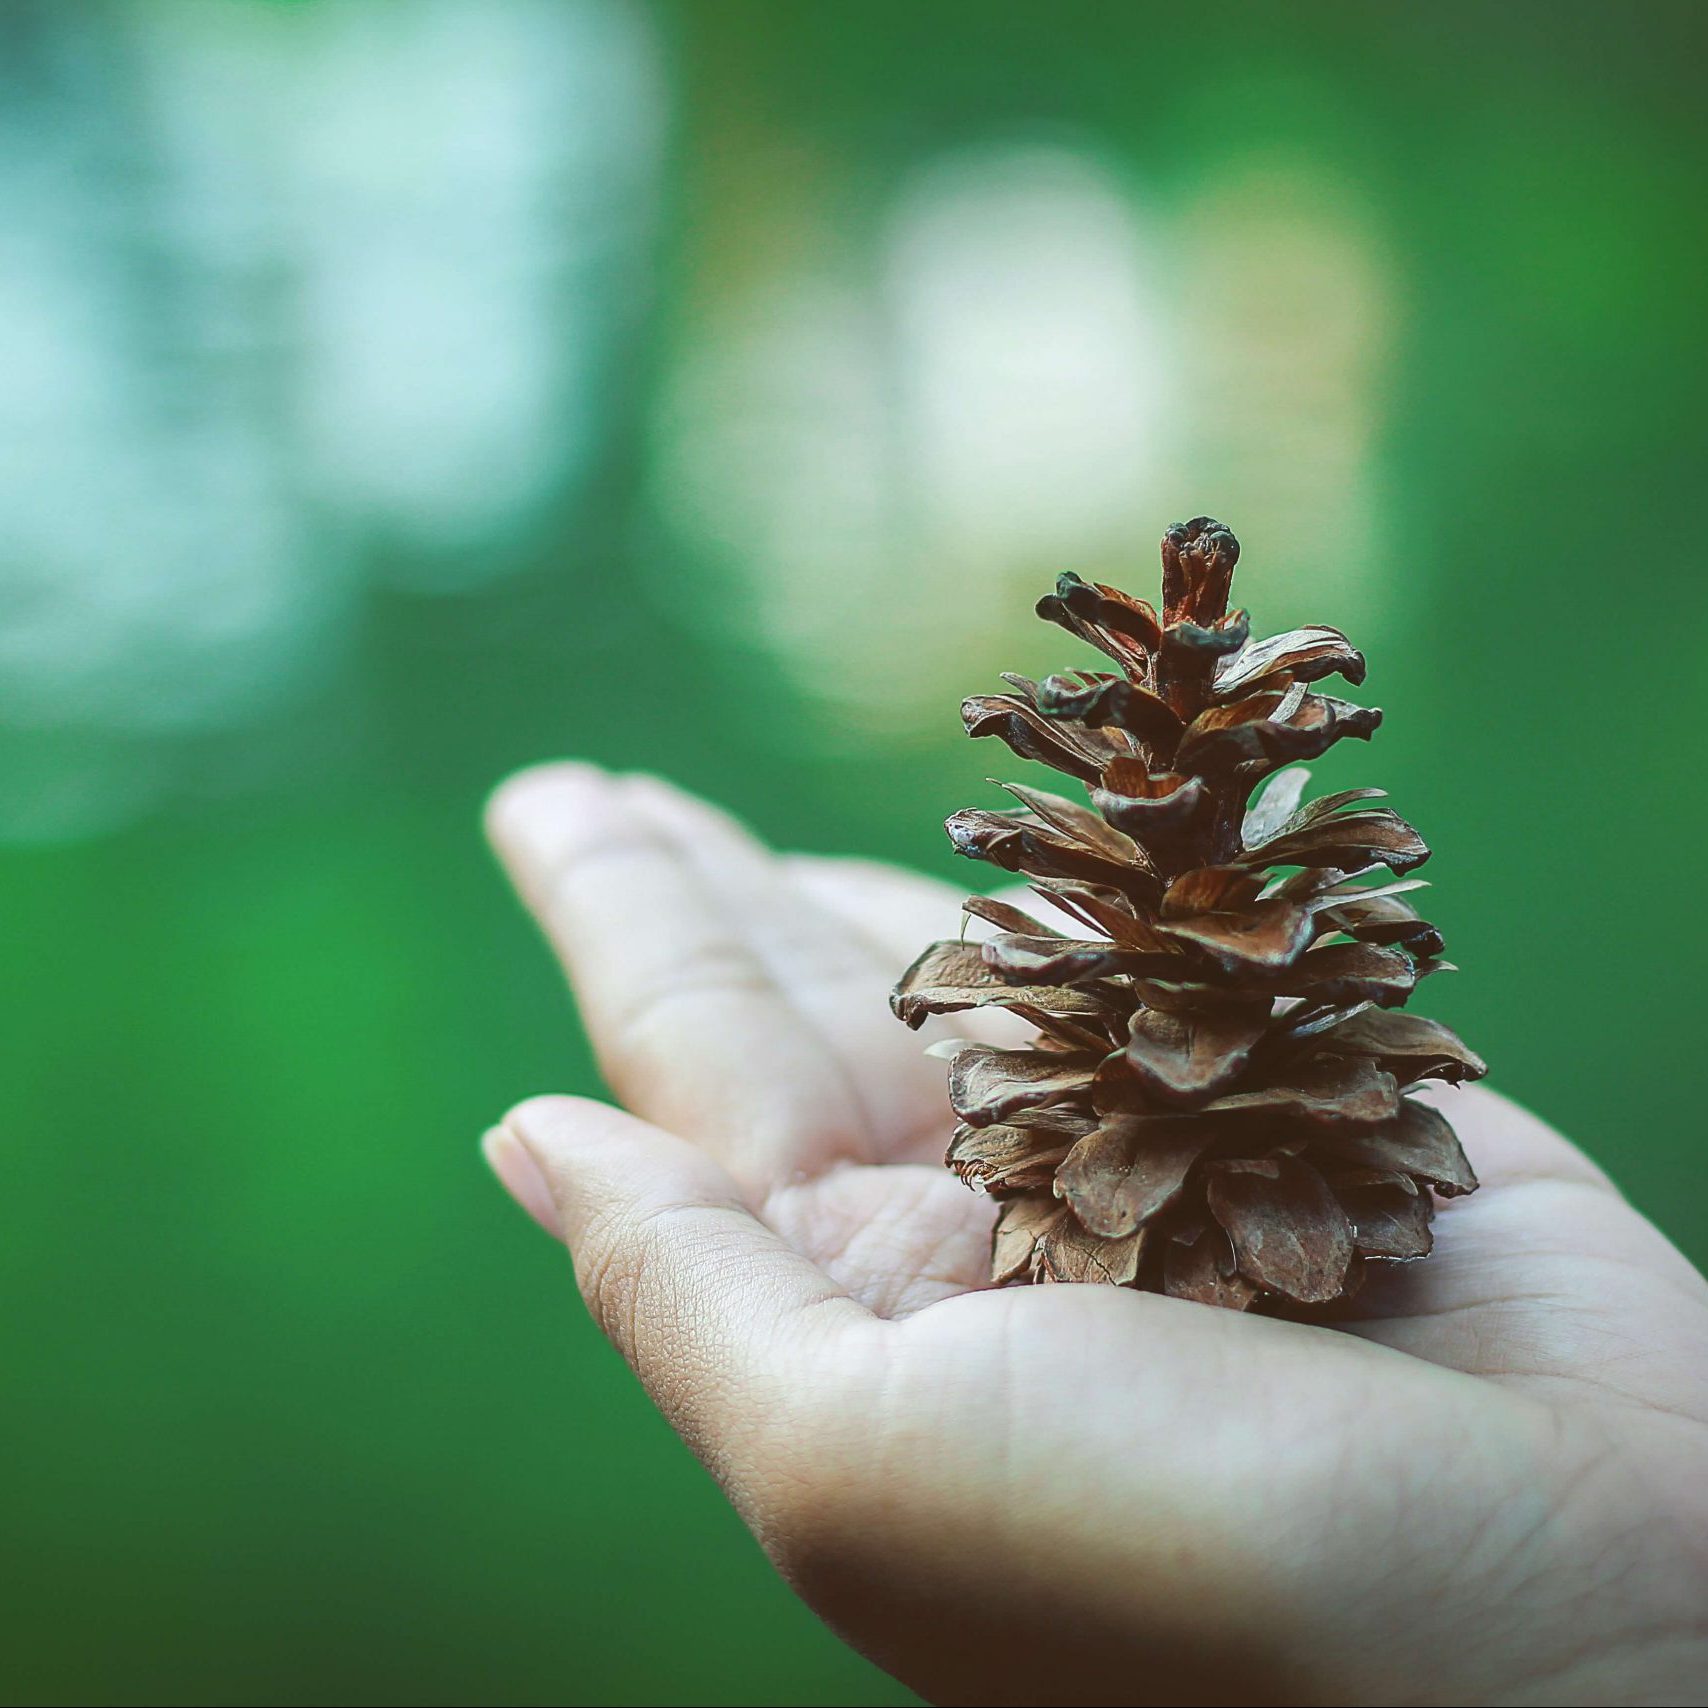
[(298, 1408)]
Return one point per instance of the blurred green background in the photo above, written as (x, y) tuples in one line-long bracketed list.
[(393, 394)]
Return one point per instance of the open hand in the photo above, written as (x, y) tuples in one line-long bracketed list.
[(1489, 1483)]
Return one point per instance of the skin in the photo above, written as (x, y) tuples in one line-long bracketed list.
[(1487, 1484)]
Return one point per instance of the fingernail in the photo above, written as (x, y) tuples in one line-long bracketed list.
[(520, 1176)]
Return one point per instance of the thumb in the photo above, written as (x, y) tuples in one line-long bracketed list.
[(711, 1309)]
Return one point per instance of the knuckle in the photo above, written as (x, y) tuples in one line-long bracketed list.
[(650, 1026)]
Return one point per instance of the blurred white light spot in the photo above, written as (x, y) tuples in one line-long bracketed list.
[(467, 186), (879, 478), (1286, 322), (1030, 356), (326, 276)]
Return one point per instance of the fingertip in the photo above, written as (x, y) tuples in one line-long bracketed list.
[(515, 808), (590, 1154), (554, 1127), (1506, 1143), (540, 1117), (551, 1131), (520, 1175)]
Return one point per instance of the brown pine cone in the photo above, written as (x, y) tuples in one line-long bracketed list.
[(1215, 1106)]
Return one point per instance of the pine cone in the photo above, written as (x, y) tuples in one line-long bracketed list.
[(1215, 1104)]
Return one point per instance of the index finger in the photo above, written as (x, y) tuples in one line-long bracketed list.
[(689, 1024)]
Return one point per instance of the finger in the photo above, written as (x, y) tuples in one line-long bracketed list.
[(897, 913), (691, 1029), (898, 1239), (719, 1318), (1508, 1145), (836, 976), (1546, 1276), (1520, 1267), (901, 910)]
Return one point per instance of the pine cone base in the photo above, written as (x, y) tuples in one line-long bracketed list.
[(1219, 1102)]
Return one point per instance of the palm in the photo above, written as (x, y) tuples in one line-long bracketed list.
[(738, 998)]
